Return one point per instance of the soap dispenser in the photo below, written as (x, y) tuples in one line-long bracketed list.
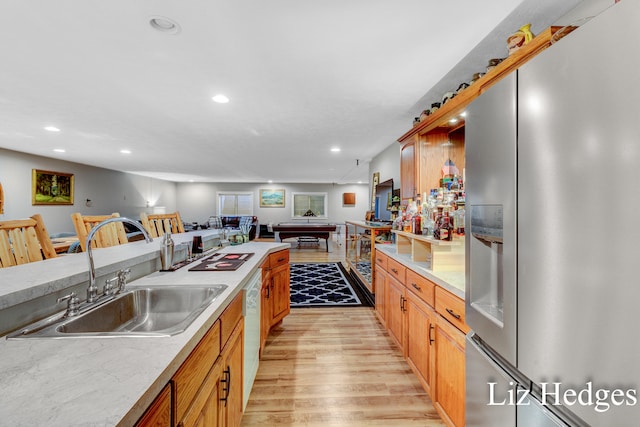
[(166, 251)]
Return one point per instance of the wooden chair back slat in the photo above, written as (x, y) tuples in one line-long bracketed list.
[(23, 241), (110, 235), (159, 224)]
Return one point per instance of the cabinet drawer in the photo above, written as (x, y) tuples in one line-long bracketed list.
[(421, 286), (279, 258), (451, 308), (395, 269), (381, 260), (189, 378), (229, 318)]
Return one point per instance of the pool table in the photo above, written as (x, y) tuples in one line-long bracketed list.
[(318, 231)]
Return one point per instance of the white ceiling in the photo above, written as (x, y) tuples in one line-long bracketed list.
[(302, 76)]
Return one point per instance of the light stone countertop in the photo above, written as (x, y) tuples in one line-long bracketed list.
[(452, 281), (102, 381)]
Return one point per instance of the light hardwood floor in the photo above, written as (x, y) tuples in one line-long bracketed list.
[(335, 367)]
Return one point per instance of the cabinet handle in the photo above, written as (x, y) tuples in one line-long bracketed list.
[(416, 287), (227, 385), (451, 312), (281, 259), (402, 301), (268, 292), (431, 328), (394, 270)]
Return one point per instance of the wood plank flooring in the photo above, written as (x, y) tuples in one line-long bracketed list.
[(335, 367)]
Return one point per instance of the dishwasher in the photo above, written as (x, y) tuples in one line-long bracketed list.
[(251, 312)]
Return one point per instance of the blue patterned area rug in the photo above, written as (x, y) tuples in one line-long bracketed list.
[(321, 284)]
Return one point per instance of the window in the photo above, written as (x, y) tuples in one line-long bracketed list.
[(309, 205), (235, 203)]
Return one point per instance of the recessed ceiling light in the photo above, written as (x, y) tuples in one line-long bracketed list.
[(59, 150), (453, 121), (125, 151), (463, 114), (164, 25), (220, 99), (52, 129), (335, 150), (270, 181)]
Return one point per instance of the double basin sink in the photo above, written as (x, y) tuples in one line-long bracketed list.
[(149, 311)]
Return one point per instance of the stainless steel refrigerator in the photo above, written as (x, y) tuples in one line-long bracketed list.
[(553, 265)]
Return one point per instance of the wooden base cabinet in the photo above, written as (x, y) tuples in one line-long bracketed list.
[(420, 343), (450, 373), (159, 413), (380, 296), (427, 323), (275, 300), (396, 301), (232, 379)]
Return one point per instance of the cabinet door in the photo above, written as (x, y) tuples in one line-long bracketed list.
[(159, 413), (204, 410), (449, 372), (232, 379), (265, 308), (408, 188), (395, 310), (380, 300), (420, 346), (280, 293)]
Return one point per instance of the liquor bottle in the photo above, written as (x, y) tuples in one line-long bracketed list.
[(446, 229)]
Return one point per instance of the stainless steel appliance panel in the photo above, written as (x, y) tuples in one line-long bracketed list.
[(490, 150), (578, 202), (481, 372)]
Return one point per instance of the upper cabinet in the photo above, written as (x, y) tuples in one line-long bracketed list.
[(440, 136)]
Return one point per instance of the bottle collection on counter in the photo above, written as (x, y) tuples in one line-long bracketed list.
[(440, 214)]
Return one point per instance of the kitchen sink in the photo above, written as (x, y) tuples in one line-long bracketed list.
[(149, 311)]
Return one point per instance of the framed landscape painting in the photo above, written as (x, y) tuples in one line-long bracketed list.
[(51, 188), (272, 198)]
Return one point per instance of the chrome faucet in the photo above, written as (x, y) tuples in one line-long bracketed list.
[(92, 290)]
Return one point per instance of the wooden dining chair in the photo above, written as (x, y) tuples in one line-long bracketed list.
[(159, 224), (23, 241), (110, 235)]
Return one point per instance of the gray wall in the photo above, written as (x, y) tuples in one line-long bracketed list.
[(198, 201), (109, 191), (114, 191), (387, 163)]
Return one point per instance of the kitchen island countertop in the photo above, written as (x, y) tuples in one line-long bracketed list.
[(102, 381)]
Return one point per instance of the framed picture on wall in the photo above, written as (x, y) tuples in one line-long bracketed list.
[(272, 198), (51, 188)]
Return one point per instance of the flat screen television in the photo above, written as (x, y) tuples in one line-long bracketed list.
[(384, 193)]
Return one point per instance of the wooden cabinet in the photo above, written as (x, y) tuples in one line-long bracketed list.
[(189, 379), (275, 298), (420, 343), (395, 310), (427, 323), (232, 379), (449, 371), (205, 407), (280, 285), (265, 304), (408, 172), (159, 413), (381, 288)]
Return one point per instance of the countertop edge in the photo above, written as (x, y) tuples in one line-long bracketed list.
[(405, 259)]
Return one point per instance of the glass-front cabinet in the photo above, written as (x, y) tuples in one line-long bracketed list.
[(361, 238)]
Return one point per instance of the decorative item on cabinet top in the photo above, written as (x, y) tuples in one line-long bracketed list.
[(520, 38)]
